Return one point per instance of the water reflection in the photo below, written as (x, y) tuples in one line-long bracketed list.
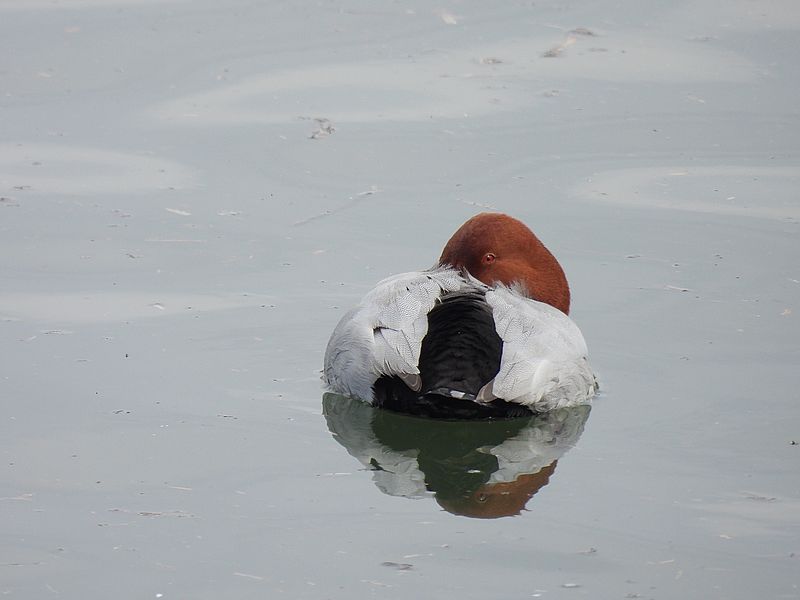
[(483, 469)]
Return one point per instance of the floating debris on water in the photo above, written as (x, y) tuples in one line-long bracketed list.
[(398, 566), (324, 129)]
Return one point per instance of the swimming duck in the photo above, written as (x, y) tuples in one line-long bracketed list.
[(484, 333)]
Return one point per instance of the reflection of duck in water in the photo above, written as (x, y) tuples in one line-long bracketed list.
[(485, 469), (483, 334)]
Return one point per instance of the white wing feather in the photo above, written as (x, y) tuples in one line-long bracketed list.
[(544, 362), (383, 334)]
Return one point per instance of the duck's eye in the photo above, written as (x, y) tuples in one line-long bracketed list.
[(488, 258)]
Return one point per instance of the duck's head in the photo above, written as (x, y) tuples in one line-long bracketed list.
[(496, 248)]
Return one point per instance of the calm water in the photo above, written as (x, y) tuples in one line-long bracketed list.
[(192, 194)]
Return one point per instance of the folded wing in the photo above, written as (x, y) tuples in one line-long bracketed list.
[(544, 364), (383, 334)]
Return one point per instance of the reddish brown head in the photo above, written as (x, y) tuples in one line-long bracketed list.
[(501, 499), (496, 248)]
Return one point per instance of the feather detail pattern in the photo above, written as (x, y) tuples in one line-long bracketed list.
[(383, 334), (544, 364)]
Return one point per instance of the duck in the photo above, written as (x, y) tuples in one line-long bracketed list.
[(484, 333)]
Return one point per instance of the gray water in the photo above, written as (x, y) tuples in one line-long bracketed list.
[(192, 194)]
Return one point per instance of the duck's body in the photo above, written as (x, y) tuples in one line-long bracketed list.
[(442, 343)]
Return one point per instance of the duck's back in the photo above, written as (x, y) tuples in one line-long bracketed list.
[(462, 350), (460, 354)]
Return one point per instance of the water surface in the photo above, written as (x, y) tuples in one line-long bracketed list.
[(191, 195)]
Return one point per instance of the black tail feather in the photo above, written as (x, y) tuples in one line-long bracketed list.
[(460, 354)]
